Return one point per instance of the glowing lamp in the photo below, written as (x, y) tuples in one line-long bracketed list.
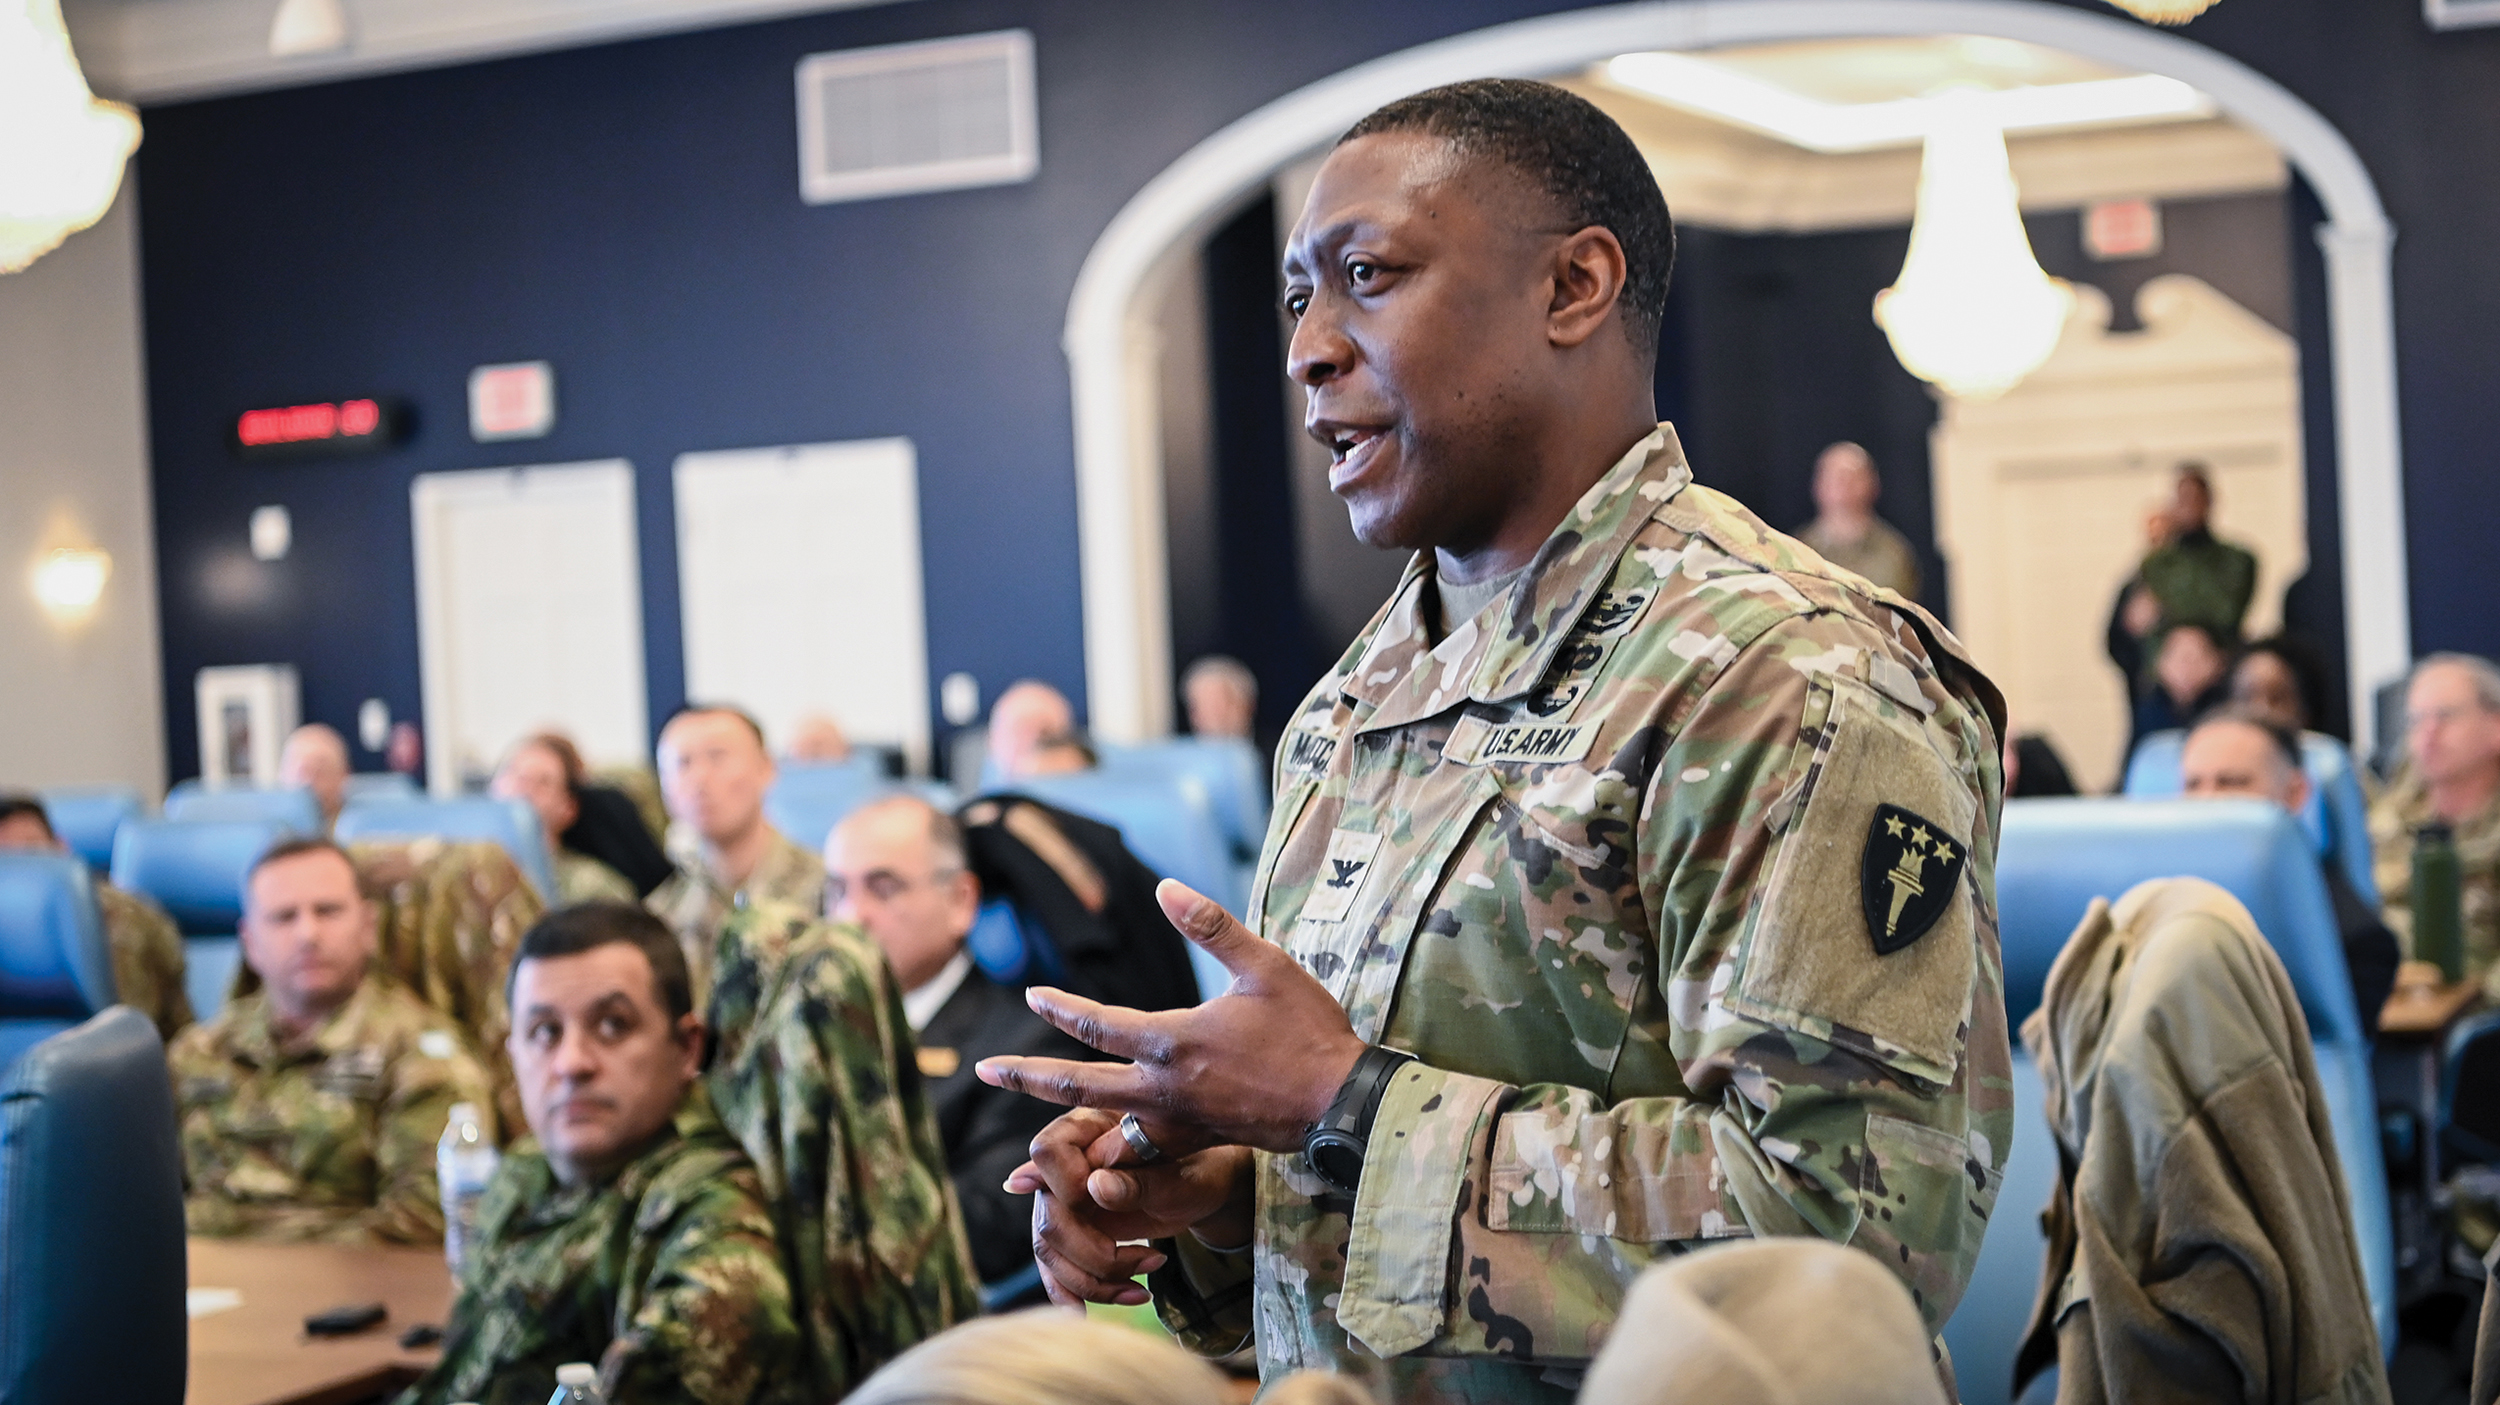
[(70, 580), (1972, 312), (61, 151), (2164, 11)]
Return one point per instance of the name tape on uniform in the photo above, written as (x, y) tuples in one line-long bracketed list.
[(1309, 752), (1535, 743)]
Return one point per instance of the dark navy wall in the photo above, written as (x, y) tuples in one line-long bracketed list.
[(630, 213)]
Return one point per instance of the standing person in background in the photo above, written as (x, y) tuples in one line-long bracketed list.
[(714, 771), (1845, 530), (2137, 612), (315, 759), (545, 772), (148, 957), (2196, 577), (2451, 776)]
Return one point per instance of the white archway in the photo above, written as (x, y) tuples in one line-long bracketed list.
[(1119, 486)]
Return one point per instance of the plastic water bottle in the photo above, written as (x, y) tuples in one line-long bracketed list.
[(2438, 916), (464, 1161), (577, 1383)]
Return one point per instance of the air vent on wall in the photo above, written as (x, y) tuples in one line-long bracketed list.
[(941, 115)]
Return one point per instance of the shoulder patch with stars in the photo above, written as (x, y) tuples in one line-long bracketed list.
[(1906, 876)]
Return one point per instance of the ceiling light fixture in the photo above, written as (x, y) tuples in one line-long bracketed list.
[(1972, 312), (2164, 11), (1713, 90), (61, 151), (70, 580), (308, 27)]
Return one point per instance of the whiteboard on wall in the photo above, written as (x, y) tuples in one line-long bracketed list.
[(529, 614), (799, 572)]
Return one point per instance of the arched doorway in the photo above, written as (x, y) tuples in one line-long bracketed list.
[(1119, 486)]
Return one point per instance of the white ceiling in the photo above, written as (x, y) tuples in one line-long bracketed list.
[(167, 50)]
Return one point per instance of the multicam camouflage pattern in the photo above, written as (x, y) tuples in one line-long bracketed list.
[(1883, 555), (666, 1276), (2405, 808), (1594, 860), (148, 961), (814, 1071), (328, 1138), (695, 904), (2204, 581), (583, 879)]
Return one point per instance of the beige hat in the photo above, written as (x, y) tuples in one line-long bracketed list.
[(1774, 1321)]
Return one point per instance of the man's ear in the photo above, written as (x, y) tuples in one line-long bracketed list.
[(2296, 794), (1589, 270), (688, 1035)]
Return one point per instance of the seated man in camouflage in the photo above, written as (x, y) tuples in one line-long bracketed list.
[(714, 770), (310, 1107), (146, 946), (633, 1233)]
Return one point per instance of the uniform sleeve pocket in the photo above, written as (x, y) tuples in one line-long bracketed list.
[(1865, 935)]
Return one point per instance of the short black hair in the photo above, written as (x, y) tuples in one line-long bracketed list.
[(2306, 665), (1568, 147), (2286, 745), (570, 931), (690, 709), (16, 803)]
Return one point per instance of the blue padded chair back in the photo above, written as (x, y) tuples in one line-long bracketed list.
[(87, 817), (194, 871), (381, 785), (1011, 949), (55, 969), (510, 823), (1169, 823), (295, 809), (1231, 770), (92, 1263), (2336, 819), (807, 801), (2057, 855)]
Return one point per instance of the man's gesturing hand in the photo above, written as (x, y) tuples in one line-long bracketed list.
[(1255, 1066), (1087, 1206)]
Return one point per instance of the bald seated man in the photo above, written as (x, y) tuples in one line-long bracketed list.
[(1033, 733), (146, 946), (2451, 776), (1845, 529), (315, 759), (714, 772), (2241, 754), (897, 868)]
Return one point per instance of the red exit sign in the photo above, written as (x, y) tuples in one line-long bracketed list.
[(323, 427)]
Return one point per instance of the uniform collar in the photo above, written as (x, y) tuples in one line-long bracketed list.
[(549, 1201), (256, 1037), (1502, 653)]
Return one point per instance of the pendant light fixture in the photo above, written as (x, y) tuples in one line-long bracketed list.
[(1971, 311), (61, 151), (2164, 11)]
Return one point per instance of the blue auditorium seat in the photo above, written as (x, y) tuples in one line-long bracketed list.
[(1233, 775), (295, 809), (381, 785), (55, 969), (807, 800), (2055, 856), (2337, 817), (86, 817), (1170, 825), (195, 872), (92, 1259), (510, 823)]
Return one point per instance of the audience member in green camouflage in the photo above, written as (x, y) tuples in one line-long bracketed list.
[(715, 769), (544, 771), (631, 1232), (1633, 870), (813, 1069), (145, 945), (310, 1109)]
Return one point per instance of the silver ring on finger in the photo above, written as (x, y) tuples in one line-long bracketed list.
[(1132, 1132)]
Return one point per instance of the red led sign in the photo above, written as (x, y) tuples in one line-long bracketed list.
[(327, 427)]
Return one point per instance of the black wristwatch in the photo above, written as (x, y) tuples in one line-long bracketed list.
[(1335, 1144)]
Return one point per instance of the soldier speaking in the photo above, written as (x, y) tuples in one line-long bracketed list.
[(1588, 935)]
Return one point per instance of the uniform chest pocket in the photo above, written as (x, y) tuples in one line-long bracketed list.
[(1866, 935)]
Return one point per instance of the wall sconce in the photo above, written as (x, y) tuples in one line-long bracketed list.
[(70, 580)]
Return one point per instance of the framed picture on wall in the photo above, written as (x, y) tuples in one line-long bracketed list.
[(245, 713)]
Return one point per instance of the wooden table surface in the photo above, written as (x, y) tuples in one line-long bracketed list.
[(257, 1353)]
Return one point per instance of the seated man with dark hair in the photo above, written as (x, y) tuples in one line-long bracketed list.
[(310, 1107), (2234, 754), (146, 947), (633, 1233)]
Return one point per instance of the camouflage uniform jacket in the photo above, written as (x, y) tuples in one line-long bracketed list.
[(814, 1071), (148, 960), (666, 1276), (581, 879), (694, 903), (1605, 861), (330, 1138), (2404, 808)]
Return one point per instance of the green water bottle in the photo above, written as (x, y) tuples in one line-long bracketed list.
[(2438, 915)]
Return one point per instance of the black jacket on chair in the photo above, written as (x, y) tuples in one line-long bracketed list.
[(1094, 899)]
